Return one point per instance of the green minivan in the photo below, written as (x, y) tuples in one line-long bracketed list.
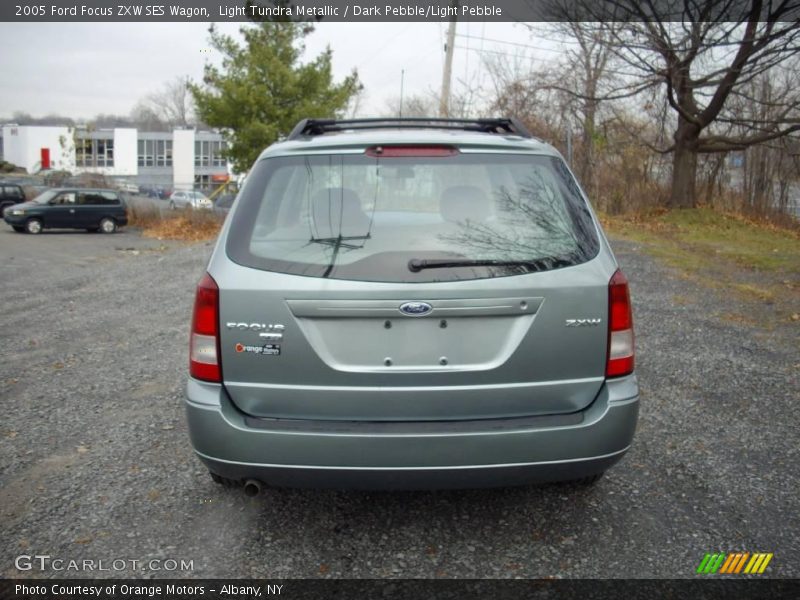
[(69, 208)]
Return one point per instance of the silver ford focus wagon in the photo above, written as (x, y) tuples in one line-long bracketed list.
[(411, 303)]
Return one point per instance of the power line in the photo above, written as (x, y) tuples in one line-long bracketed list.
[(485, 39), (541, 60), (497, 52)]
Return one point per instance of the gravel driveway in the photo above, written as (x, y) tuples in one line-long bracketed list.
[(95, 461)]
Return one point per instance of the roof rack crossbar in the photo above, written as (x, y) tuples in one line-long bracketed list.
[(312, 127)]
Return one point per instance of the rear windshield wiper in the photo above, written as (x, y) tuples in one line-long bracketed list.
[(540, 264), (337, 243)]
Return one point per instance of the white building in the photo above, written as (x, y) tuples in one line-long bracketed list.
[(181, 159), (26, 146)]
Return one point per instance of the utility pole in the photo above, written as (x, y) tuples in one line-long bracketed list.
[(444, 101)]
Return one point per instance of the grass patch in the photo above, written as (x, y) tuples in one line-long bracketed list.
[(749, 243), (700, 236), (143, 214), (186, 225), (756, 262), (757, 292), (738, 318)]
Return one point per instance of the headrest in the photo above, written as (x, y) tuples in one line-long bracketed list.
[(337, 210)]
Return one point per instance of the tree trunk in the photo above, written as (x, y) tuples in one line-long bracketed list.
[(684, 175), (586, 167)]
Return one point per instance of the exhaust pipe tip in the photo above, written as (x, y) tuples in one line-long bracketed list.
[(252, 487)]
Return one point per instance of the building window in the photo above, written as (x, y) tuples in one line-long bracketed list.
[(155, 153), (146, 153), (202, 182), (200, 154), (104, 152), (163, 153), (94, 153), (83, 153), (218, 160), (209, 154)]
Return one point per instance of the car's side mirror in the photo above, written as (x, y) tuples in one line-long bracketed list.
[(52, 202)]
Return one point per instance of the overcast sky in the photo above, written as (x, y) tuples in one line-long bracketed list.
[(82, 69)]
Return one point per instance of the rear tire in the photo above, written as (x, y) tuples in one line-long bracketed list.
[(108, 225), (172, 205), (33, 226)]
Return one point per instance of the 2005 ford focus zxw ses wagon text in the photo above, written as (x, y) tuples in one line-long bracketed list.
[(415, 303)]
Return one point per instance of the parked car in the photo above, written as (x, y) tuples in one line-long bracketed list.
[(223, 203), (10, 194), (69, 208), (180, 199), (154, 191), (427, 306), (128, 187)]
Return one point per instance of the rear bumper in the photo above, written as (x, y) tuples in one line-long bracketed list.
[(452, 454)]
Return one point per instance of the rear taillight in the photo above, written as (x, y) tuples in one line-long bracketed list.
[(204, 342), (620, 328)]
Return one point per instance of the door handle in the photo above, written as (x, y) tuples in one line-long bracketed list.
[(72, 210)]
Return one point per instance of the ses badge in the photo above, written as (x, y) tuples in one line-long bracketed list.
[(268, 349)]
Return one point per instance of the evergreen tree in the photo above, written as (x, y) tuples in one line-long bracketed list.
[(262, 89)]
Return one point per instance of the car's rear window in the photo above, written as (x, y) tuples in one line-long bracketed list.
[(360, 217)]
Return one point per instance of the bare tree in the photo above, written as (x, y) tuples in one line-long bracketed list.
[(464, 99), (172, 105), (579, 91), (354, 106), (145, 118), (22, 118), (415, 105), (704, 53), (518, 90), (583, 76), (769, 169)]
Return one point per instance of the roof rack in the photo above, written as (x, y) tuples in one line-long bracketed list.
[(312, 127)]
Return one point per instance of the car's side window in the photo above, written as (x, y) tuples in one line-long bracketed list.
[(92, 198), (65, 198), (107, 198), (13, 192)]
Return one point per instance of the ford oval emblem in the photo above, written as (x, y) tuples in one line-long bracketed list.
[(415, 309)]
